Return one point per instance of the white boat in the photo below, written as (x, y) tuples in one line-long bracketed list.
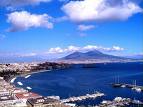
[(137, 102), (27, 76), (12, 80), (138, 89), (20, 83), (118, 99), (104, 102), (29, 88), (123, 86)]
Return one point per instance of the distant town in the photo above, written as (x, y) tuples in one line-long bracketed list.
[(12, 69)]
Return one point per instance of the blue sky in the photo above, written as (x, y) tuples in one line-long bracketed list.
[(51, 27)]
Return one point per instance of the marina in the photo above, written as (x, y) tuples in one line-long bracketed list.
[(120, 102), (131, 86)]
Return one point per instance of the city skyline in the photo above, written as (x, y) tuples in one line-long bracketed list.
[(57, 27)]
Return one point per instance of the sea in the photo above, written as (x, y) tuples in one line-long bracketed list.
[(81, 80)]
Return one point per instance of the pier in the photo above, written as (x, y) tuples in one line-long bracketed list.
[(120, 102), (131, 86), (84, 97)]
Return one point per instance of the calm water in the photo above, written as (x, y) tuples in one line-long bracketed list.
[(80, 81)]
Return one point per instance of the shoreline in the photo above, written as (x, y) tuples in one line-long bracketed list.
[(25, 74), (99, 62), (11, 80), (40, 71)]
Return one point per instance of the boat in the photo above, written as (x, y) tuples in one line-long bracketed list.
[(116, 85), (27, 76), (29, 88), (12, 80), (20, 83), (123, 86), (137, 102), (136, 88)]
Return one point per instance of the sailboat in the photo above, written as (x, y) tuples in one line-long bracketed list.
[(117, 84), (137, 102), (136, 88)]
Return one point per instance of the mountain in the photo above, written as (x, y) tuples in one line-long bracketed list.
[(92, 55), (137, 57)]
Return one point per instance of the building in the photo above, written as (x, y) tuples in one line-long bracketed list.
[(44, 102), (13, 103), (26, 95), (6, 97)]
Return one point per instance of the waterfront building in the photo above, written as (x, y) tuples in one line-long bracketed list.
[(44, 102), (13, 103), (26, 95), (6, 97)]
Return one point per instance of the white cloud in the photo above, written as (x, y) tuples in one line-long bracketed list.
[(24, 20), (60, 50), (85, 27), (18, 3), (85, 48), (89, 10), (92, 47), (71, 48), (55, 50), (117, 48)]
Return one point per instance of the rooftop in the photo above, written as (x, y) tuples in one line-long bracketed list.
[(42, 100), (27, 95)]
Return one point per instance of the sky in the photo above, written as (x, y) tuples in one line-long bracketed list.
[(56, 27)]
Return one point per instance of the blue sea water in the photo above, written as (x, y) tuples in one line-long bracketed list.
[(77, 81)]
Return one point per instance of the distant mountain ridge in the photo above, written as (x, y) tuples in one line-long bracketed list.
[(15, 59), (92, 55), (135, 57)]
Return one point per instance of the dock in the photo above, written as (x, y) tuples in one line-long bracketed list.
[(131, 86), (84, 97), (119, 102)]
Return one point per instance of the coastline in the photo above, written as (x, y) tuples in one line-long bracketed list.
[(12, 79), (40, 71), (98, 62)]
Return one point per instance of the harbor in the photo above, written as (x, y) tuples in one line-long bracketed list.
[(131, 86), (120, 102)]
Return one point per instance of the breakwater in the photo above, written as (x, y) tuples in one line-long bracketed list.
[(120, 102), (84, 97)]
